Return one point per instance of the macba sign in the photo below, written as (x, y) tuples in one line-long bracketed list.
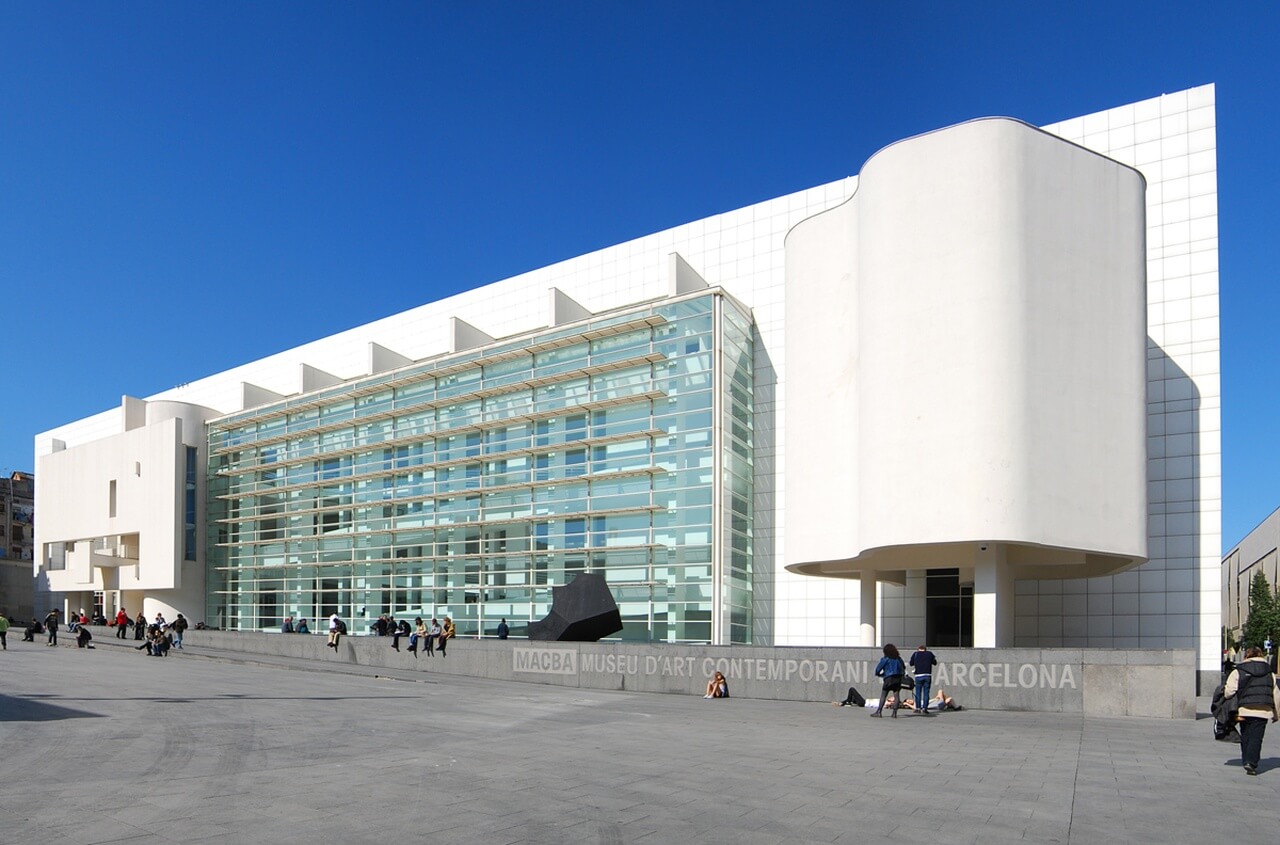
[(562, 661)]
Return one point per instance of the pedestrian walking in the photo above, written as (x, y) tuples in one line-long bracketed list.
[(122, 624), (4, 631), (1254, 686), (51, 625), (179, 625)]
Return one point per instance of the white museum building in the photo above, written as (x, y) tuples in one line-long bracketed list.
[(969, 397)]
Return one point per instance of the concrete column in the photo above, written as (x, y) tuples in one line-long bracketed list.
[(993, 597), (867, 609)]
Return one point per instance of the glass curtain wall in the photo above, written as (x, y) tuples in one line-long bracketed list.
[(470, 485)]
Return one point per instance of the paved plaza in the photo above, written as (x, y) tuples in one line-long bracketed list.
[(108, 745)]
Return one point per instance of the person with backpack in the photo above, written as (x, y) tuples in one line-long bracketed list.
[(891, 668), (336, 629), (1258, 700)]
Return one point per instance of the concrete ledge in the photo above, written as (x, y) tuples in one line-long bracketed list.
[(1096, 682)]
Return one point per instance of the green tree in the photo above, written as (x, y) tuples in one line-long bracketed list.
[(1264, 614)]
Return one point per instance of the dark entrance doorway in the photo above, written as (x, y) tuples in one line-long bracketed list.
[(948, 609)]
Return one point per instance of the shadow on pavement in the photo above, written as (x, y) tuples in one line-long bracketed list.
[(38, 710), (225, 696)]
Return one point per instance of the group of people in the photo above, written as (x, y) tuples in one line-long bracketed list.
[(158, 639), (892, 669), (79, 624), (291, 627), (894, 672), (428, 637)]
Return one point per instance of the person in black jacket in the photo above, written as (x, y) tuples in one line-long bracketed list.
[(51, 625), (922, 663), (1258, 699), (400, 629), (176, 629)]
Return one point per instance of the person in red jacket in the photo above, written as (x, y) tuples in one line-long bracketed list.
[(122, 624)]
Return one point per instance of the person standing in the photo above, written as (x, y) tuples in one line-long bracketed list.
[(51, 625), (122, 624), (4, 631), (179, 625), (140, 627), (503, 630), (891, 668), (1254, 685), (922, 663)]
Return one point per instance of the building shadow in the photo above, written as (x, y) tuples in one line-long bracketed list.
[(38, 710), (1175, 499), (764, 544)]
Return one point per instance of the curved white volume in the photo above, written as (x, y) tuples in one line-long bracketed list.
[(973, 372)]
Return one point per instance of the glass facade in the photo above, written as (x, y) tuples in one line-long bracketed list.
[(471, 484)]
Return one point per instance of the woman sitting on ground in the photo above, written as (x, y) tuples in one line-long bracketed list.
[(717, 687)]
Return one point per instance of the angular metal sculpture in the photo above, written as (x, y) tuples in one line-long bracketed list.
[(582, 611)]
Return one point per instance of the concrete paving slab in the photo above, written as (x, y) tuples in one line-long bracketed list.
[(109, 745)]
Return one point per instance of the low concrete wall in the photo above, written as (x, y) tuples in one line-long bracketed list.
[(1096, 682)]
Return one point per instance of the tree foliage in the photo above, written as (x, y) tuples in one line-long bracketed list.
[(1264, 614)]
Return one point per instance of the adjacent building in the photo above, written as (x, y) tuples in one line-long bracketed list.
[(17, 541), (1257, 552), (974, 388)]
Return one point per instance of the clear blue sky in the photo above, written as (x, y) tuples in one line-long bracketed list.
[(186, 187)]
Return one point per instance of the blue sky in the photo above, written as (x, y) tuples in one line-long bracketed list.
[(186, 187)]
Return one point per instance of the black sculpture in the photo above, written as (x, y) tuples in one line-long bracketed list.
[(582, 611)]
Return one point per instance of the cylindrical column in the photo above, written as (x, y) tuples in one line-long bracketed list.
[(867, 609)]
